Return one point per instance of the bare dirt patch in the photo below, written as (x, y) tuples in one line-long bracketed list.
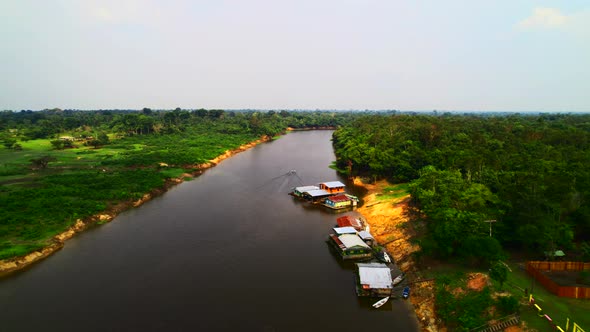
[(390, 225), (477, 281)]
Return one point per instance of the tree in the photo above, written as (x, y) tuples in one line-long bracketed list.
[(481, 250), (455, 209), (499, 272), (100, 140), (103, 139), (9, 142), (57, 144), (507, 304), (41, 163)]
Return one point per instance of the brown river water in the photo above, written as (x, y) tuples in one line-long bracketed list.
[(227, 251)]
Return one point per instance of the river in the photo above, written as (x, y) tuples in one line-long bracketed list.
[(227, 251)]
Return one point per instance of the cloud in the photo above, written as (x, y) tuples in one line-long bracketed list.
[(546, 18)]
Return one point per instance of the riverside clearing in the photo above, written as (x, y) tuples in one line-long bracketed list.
[(385, 209)]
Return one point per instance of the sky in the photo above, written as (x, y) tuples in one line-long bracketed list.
[(500, 55)]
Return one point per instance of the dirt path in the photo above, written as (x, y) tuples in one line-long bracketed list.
[(391, 227)]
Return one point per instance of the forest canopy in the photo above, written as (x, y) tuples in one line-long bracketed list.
[(528, 174)]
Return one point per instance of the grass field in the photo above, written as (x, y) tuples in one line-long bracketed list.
[(394, 192), (558, 308), (37, 204)]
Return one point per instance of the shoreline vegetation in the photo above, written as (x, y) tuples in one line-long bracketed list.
[(388, 212), (448, 163), (14, 264), (487, 193), (57, 242), (62, 169)]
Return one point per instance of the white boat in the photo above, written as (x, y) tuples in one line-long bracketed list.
[(398, 279), (386, 257), (380, 302)]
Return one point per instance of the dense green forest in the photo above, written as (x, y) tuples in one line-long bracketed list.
[(59, 166), (27, 124), (524, 178)]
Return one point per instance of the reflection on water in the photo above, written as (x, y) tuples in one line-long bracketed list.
[(228, 251)]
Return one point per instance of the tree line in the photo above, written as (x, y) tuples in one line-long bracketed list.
[(524, 177), (57, 166), (28, 125)]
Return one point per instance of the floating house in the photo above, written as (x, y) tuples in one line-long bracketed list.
[(349, 221), (333, 187), (373, 279), (310, 193), (349, 245), (330, 194), (344, 230), (340, 201), (316, 195), (367, 237), (300, 191)]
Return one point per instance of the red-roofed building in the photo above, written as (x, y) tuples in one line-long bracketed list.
[(338, 201), (348, 221)]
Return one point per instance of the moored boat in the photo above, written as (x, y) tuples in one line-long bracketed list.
[(380, 302), (406, 292), (384, 257), (398, 279)]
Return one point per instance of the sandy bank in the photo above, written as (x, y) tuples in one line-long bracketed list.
[(313, 128), (392, 228), (13, 264)]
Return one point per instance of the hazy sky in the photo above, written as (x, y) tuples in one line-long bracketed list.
[(281, 54)]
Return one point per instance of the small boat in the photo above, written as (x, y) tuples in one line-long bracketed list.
[(383, 257), (398, 279), (406, 292), (380, 302)]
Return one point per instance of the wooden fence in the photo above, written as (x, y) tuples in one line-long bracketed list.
[(535, 268)]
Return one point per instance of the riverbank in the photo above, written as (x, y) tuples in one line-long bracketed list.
[(387, 216), (312, 128), (14, 264)]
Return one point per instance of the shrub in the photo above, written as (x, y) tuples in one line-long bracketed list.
[(507, 304)]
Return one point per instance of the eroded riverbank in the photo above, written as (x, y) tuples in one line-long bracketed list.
[(390, 225)]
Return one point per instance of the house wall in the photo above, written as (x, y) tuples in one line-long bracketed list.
[(332, 190)]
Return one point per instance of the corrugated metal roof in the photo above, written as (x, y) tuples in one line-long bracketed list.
[(339, 198), (306, 188), (376, 275), (353, 240), (333, 184), (345, 230), (366, 235), (318, 192), (349, 221)]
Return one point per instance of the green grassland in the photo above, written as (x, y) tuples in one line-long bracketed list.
[(395, 192), (37, 204), (558, 308)]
